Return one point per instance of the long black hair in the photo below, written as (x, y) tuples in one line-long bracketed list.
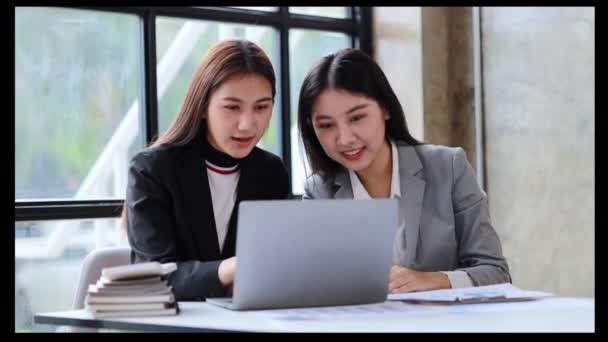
[(354, 71)]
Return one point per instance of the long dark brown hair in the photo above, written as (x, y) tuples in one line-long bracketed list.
[(226, 59), (354, 71)]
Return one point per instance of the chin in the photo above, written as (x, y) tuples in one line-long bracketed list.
[(239, 153), (355, 165)]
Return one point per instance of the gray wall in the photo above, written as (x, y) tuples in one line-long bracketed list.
[(538, 84), (539, 75), (448, 82)]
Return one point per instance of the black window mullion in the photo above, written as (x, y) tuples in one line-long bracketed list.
[(364, 25), (220, 14), (147, 90), (303, 21), (285, 91), (113, 9), (65, 210)]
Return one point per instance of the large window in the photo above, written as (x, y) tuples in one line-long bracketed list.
[(75, 93), (94, 86)]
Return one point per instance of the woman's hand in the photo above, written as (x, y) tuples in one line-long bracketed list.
[(403, 279), (226, 272)]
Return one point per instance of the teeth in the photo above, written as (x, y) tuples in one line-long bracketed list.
[(352, 153)]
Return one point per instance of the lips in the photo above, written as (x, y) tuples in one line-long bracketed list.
[(353, 154), (243, 141)]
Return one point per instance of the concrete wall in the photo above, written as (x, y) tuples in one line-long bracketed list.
[(538, 102), (448, 82), (539, 74)]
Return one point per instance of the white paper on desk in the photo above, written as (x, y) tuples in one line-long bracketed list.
[(338, 312), (452, 295)]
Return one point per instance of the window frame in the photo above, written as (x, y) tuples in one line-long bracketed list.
[(358, 25)]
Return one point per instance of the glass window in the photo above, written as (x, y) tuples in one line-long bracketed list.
[(332, 12), (181, 44), (76, 102), (48, 257), (306, 47)]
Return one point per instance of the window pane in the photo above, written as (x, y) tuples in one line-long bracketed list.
[(332, 12), (76, 95), (181, 44), (306, 47), (48, 256)]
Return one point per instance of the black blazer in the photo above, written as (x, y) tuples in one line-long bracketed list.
[(170, 214)]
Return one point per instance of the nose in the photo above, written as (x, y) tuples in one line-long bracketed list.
[(246, 120), (346, 137)]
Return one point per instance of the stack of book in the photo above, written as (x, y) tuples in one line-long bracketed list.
[(133, 290)]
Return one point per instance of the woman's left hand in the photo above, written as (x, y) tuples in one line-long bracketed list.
[(403, 279)]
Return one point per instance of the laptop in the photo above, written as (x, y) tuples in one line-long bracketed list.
[(293, 253)]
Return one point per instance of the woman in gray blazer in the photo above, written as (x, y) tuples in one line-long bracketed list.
[(358, 145)]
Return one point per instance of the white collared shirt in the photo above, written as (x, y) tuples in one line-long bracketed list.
[(359, 191), (457, 279)]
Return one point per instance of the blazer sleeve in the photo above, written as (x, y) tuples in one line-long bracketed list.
[(480, 252), (152, 235)]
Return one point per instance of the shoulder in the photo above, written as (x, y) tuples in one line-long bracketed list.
[(437, 161), (270, 173), (155, 158), (266, 160), (260, 156), (438, 154), (317, 186), (317, 180), (440, 157)]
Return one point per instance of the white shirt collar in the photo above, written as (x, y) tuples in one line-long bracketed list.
[(359, 191)]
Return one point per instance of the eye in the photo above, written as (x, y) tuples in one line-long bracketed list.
[(357, 118), (324, 125), (261, 107), (232, 107)]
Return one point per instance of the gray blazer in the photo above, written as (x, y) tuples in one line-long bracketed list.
[(447, 221)]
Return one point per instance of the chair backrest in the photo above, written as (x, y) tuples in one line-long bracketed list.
[(92, 265)]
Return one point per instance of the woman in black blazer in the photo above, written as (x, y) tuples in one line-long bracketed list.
[(183, 191)]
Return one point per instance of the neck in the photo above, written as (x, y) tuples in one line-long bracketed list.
[(219, 158), (376, 178)]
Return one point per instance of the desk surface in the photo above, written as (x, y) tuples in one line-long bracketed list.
[(544, 315)]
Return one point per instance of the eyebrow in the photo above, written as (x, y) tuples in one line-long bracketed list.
[(234, 99), (325, 116)]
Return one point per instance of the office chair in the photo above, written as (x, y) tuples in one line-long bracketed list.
[(90, 272), (92, 265)]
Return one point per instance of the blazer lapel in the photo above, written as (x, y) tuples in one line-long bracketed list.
[(197, 197), (246, 190), (342, 180), (412, 195)]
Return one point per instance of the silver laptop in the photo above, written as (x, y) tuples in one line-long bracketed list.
[(293, 253)]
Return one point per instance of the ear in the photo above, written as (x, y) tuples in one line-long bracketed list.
[(386, 116)]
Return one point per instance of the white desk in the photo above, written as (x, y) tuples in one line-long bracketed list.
[(545, 315)]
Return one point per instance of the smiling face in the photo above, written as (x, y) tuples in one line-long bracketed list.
[(238, 114), (350, 128)]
